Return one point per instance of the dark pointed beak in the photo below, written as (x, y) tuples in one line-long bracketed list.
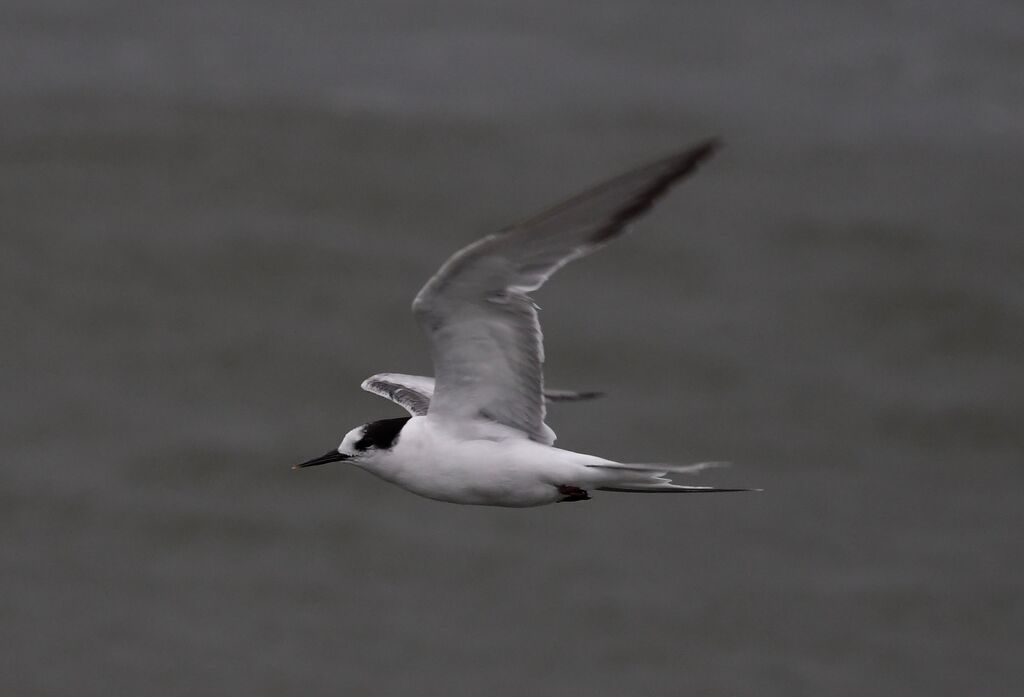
[(329, 456)]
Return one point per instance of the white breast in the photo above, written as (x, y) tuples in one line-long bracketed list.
[(475, 463)]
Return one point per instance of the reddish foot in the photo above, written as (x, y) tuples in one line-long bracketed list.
[(572, 493)]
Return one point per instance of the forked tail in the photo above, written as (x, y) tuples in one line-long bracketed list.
[(650, 478)]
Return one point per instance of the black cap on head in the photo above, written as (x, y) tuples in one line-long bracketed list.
[(381, 434)]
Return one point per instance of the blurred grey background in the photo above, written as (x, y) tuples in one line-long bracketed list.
[(215, 215)]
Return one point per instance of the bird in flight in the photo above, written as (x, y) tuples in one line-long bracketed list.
[(476, 431)]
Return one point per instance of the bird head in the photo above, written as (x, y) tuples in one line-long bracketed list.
[(362, 443)]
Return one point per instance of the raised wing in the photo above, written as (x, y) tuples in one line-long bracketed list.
[(482, 326), (413, 392)]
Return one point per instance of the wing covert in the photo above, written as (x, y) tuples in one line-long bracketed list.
[(413, 392)]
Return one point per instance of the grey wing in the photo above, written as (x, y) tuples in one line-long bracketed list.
[(413, 392), (410, 391), (484, 335)]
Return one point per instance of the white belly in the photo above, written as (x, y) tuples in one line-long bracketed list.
[(480, 485), (514, 472)]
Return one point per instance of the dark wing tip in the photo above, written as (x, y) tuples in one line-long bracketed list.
[(683, 163), (673, 169), (571, 395), (705, 149)]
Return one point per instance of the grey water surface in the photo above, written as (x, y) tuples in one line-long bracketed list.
[(214, 215)]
